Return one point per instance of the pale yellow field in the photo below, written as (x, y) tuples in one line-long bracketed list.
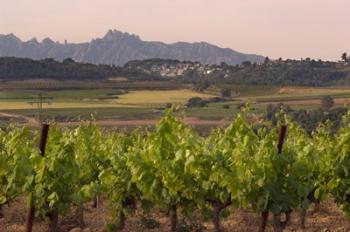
[(159, 97)]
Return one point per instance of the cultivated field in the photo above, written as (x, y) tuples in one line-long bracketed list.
[(118, 100), (145, 97)]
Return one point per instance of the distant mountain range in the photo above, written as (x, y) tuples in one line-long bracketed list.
[(118, 48)]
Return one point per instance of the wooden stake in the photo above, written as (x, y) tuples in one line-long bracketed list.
[(31, 210), (281, 138)]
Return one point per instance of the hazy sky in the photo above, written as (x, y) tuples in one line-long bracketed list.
[(275, 28)]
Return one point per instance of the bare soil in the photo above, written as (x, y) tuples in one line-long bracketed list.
[(150, 122), (326, 219)]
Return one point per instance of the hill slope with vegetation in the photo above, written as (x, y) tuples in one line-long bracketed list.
[(305, 72)]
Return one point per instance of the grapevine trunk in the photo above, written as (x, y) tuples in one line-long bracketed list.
[(264, 217), (303, 218), (80, 216), (216, 220), (279, 225), (122, 221), (53, 221), (30, 214), (94, 203), (173, 218), (217, 208)]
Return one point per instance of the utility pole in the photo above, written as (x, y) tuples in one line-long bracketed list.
[(40, 100)]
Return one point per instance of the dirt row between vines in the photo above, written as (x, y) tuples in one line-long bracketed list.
[(150, 122), (123, 122), (326, 219)]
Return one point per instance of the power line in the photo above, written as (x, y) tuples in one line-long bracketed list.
[(40, 100)]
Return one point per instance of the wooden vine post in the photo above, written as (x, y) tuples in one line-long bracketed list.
[(281, 137), (31, 207), (278, 224)]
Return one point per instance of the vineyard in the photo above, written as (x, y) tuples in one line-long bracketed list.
[(272, 170)]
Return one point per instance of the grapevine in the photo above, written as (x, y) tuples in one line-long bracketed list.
[(175, 169)]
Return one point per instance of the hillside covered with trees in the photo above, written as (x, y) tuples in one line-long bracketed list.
[(306, 72), (21, 68)]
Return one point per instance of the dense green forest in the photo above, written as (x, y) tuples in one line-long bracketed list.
[(306, 72), (289, 72), (12, 68)]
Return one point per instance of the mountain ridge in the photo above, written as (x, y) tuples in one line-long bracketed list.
[(118, 48)]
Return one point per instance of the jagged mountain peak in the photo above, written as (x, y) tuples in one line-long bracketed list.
[(10, 36), (47, 40), (34, 40), (117, 47), (115, 34)]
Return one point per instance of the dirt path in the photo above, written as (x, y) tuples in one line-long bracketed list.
[(29, 120), (123, 122)]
